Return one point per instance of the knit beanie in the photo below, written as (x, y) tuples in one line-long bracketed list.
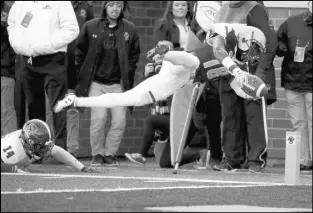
[(106, 3)]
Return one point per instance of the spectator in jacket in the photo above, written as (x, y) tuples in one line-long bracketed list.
[(295, 45), (107, 52), (176, 23), (243, 119), (40, 32), (84, 12), (8, 115)]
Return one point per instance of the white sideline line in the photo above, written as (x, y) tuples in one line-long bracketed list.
[(42, 191), (139, 178)]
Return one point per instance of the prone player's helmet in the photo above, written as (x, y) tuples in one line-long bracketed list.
[(37, 139), (251, 43)]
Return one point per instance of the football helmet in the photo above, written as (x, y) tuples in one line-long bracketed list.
[(37, 139), (251, 43)]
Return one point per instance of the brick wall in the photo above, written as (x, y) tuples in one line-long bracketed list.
[(144, 13)]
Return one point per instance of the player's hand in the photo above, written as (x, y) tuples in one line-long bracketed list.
[(240, 76), (149, 68), (86, 169)]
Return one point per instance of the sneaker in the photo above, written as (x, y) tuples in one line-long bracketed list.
[(97, 160), (256, 169), (135, 158), (225, 167), (110, 160), (66, 103), (161, 49)]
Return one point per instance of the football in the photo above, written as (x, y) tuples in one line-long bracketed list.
[(252, 88)]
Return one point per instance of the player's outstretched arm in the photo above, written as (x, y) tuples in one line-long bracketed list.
[(65, 157)]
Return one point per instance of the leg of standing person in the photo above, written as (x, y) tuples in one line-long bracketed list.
[(19, 94), (49, 116), (33, 85), (98, 117), (256, 141), (8, 116), (233, 142), (213, 125), (72, 114), (308, 103), (55, 85), (296, 108), (116, 129)]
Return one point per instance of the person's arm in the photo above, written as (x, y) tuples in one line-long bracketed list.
[(82, 44), (133, 58), (65, 157), (258, 18), (282, 38), (90, 11)]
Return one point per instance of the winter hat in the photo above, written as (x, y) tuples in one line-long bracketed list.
[(106, 3)]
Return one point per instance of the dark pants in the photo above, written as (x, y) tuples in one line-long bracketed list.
[(213, 125), (162, 123), (46, 73), (209, 103), (19, 95), (242, 126)]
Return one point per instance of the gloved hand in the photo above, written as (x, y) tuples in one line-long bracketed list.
[(86, 169)]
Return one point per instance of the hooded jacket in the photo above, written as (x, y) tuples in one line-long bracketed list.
[(89, 46)]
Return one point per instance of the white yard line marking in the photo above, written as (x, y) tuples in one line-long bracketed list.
[(42, 191), (140, 178)]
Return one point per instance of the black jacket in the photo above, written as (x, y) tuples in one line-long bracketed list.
[(84, 12), (166, 29), (7, 53), (89, 47), (294, 75)]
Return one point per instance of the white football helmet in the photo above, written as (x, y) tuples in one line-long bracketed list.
[(251, 41), (205, 12)]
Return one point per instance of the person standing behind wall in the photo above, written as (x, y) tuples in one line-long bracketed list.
[(106, 55), (84, 12), (40, 32), (295, 45), (8, 115)]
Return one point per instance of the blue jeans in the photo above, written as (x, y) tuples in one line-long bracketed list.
[(299, 107), (98, 120), (8, 115)]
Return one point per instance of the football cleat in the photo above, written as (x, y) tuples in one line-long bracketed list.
[(161, 49), (66, 103)]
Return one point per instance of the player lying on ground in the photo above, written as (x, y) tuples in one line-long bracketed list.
[(33, 143), (178, 69)]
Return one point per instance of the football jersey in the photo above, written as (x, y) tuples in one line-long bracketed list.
[(12, 150), (208, 62)]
